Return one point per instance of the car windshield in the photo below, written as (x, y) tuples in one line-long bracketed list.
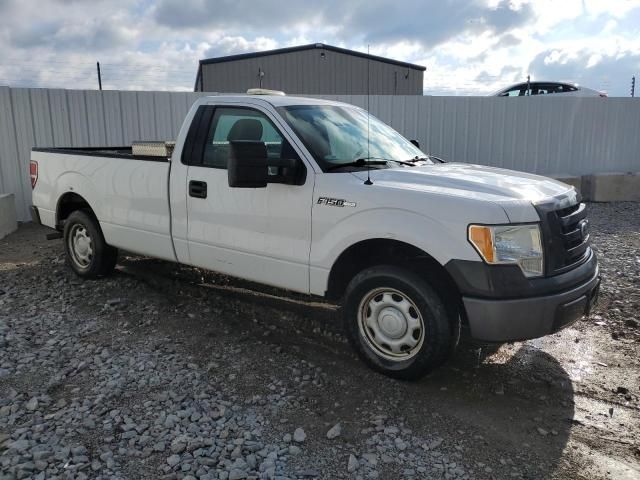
[(337, 135)]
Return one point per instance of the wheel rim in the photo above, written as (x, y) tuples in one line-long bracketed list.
[(80, 246), (391, 324)]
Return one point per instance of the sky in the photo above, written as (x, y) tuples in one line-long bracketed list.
[(470, 47)]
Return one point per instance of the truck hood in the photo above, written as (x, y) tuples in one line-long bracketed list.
[(489, 183)]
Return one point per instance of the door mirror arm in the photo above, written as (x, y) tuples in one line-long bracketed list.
[(249, 167), (291, 171), (282, 162)]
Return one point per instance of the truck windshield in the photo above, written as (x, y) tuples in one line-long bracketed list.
[(337, 135)]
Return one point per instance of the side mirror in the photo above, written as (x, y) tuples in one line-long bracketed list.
[(247, 167), (416, 143)]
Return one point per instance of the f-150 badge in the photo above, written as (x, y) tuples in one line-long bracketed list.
[(335, 202)]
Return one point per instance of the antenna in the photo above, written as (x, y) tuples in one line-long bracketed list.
[(99, 76), (368, 181)]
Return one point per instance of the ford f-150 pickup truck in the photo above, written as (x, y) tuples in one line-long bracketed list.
[(319, 197)]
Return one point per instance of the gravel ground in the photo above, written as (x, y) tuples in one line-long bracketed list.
[(163, 371)]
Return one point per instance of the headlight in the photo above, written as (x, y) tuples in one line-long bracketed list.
[(510, 244)]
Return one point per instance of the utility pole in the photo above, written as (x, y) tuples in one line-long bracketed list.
[(633, 86), (99, 76)]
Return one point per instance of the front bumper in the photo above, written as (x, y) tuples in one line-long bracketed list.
[(498, 318)]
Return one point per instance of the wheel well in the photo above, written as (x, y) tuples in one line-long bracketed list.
[(383, 251), (69, 203)]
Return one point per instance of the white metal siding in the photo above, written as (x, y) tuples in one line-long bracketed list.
[(568, 135), (545, 135)]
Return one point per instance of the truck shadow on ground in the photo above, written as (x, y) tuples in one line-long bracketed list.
[(513, 405), (514, 402)]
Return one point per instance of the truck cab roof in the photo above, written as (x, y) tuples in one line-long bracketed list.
[(275, 100)]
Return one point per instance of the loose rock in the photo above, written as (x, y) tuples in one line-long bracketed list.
[(334, 431), (352, 464), (299, 435)]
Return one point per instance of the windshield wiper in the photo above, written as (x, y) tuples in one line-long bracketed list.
[(425, 159), (403, 162), (364, 162), (361, 162)]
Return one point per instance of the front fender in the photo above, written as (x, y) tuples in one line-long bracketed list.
[(439, 239), (442, 239)]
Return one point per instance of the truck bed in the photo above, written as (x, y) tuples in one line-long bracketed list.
[(102, 152), (129, 194)]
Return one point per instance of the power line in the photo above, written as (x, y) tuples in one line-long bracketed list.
[(88, 82), (40, 69), (80, 65), (87, 62), (88, 74)]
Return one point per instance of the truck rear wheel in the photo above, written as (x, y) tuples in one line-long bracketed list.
[(87, 252), (397, 322)]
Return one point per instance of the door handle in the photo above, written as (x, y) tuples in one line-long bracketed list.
[(197, 189)]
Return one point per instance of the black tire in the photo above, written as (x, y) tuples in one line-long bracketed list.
[(102, 258), (438, 329)]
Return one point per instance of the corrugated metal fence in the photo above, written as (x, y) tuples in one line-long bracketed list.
[(545, 135), (78, 118), (541, 135)]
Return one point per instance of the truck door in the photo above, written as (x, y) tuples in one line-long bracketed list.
[(260, 234)]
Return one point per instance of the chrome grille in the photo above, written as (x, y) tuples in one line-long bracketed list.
[(574, 228), (566, 236)]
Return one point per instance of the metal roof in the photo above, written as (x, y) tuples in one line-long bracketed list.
[(311, 46)]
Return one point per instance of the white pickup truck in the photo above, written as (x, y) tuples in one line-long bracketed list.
[(319, 197)]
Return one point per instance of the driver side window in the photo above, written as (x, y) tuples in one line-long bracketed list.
[(234, 124)]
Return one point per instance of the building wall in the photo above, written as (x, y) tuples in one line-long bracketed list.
[(550, 136), (307, 72)]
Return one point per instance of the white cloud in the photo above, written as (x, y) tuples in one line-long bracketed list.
[(230, 45), (468, 46)]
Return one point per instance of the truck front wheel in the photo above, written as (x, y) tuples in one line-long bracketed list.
[(87, 252), (397, 322)]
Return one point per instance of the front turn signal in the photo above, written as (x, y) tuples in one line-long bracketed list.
[(481, 237)]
